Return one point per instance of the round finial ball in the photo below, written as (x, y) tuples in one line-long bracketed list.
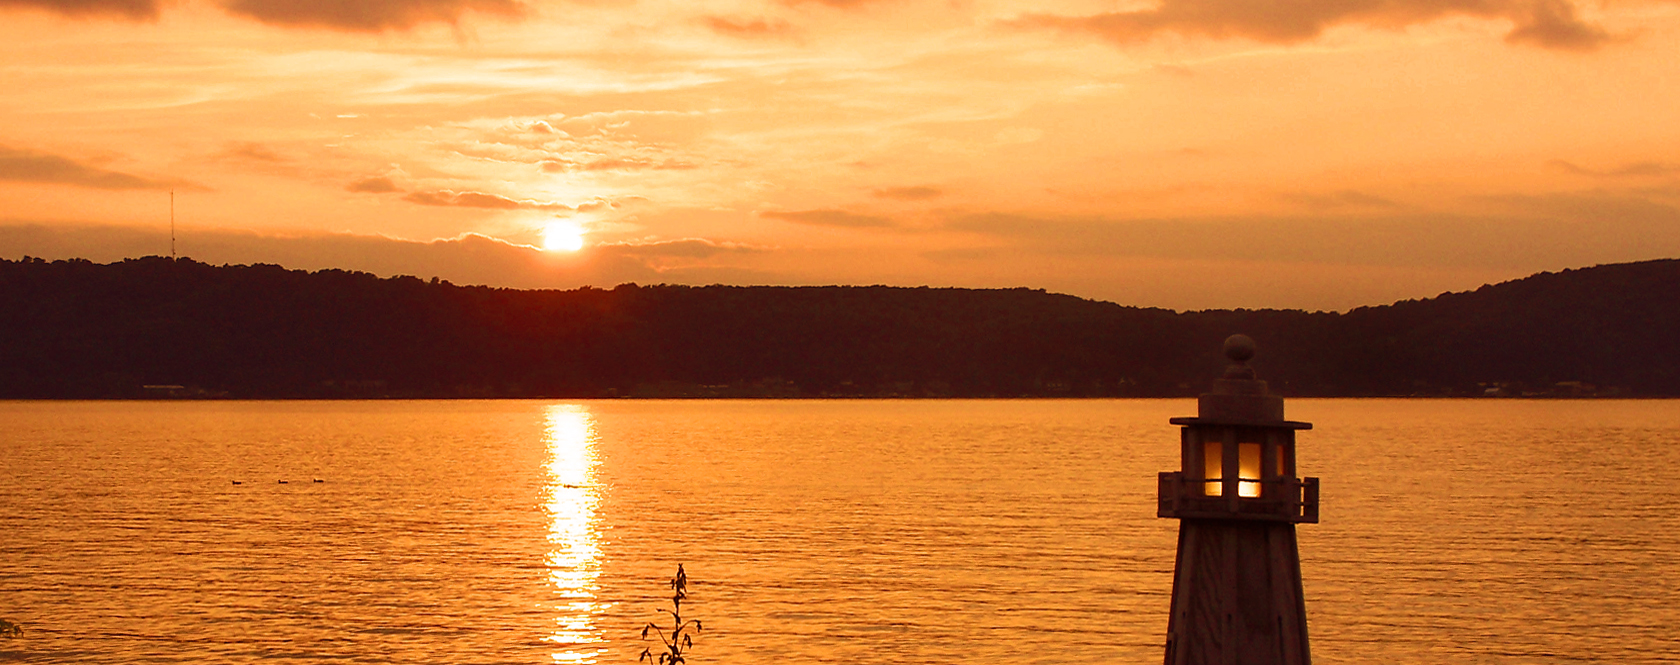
[(1239, 348)]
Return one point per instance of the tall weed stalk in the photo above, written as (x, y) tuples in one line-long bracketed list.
[(678, 641)]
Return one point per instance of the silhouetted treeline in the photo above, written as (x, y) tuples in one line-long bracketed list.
[(157, 327)]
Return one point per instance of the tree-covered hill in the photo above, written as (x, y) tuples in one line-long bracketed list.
[(80, 329)]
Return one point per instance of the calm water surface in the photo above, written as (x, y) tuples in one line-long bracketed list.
[(851, 531)]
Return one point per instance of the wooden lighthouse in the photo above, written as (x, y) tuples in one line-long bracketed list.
[(1236, 596)]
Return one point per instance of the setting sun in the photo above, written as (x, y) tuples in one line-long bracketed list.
[(562, 237)]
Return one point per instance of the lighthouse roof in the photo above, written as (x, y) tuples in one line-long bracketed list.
[(1239, 398)]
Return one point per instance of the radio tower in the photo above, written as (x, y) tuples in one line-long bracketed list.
[(172, 223)]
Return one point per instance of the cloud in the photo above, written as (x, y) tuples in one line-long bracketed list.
[(920, 193), (1174, 69), (131, 9), (351, 15), (542, 127), (599, 204), (838, 218), (843, 4), (252, 151), (374, 185), (1603, 212), (605, 142), (22, 165), (1530, 233), (369, 15), (690, 248), (614, 164), (462, 200), (1552, 24), (748, 28), (478, 200), (1635, 169), (1343, 200)]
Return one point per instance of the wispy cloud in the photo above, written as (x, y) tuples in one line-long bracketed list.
[(693, 248), (1341, 201), (917, 193), (1552, 24), (24, 165), (1632, 170), (251, 150), (132, 9), (475, 200), (349, 15), (843, 4), (839, 218), (1526, 233), (370, 15), (748, 27), (614, 164), (374, 185)]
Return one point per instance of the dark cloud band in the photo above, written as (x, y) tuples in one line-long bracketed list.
[(30, 166), (352, 15), (369, 15), (1546, 23), (134, 9), (451, 199), (839, 218)]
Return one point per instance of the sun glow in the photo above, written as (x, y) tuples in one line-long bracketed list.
[(562, 237)]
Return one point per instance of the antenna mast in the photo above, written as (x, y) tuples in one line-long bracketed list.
[(172, 223)]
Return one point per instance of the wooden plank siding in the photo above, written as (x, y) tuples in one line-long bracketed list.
[(1237, 596)]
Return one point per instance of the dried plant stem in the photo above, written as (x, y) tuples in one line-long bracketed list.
[(678, 641)]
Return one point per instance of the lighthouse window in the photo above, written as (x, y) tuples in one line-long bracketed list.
[(1213, 467), (1248, 469)]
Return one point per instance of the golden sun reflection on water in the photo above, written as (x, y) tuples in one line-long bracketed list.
[(574, 559)]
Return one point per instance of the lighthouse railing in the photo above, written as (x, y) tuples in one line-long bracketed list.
[(1280, 499)]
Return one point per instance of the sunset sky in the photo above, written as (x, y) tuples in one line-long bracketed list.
[(1318, 154)]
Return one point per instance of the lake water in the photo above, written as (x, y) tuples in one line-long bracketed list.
[(1002, 532)]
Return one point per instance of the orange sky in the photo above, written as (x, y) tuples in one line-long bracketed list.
[(1319, 154)]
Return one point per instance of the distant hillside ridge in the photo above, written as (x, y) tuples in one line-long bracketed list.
[(156, 327)]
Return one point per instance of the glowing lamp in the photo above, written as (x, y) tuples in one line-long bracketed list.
[(1237, 581)]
